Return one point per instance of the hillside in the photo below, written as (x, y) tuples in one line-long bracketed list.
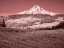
[(29, 21), (31, 38)]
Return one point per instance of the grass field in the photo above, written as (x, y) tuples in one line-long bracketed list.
[(12, 38)]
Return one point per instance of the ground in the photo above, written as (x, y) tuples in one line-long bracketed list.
[(32, 39)]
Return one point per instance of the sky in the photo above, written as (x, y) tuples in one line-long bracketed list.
[(15, 6)]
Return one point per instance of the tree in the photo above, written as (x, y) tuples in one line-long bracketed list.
[(3, 23)]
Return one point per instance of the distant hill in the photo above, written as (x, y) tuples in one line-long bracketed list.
[(29, 15), (59, 15)]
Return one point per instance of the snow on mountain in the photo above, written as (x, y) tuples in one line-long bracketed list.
[(37, 10)]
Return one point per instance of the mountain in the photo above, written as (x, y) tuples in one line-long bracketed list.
[(37, 10)]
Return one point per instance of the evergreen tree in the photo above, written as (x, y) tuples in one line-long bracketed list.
[(3, 23)]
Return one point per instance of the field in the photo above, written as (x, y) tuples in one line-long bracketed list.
[(12, 38)]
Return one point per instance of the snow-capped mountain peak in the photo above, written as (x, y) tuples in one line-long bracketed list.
[(36, 6), (36, 10)]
